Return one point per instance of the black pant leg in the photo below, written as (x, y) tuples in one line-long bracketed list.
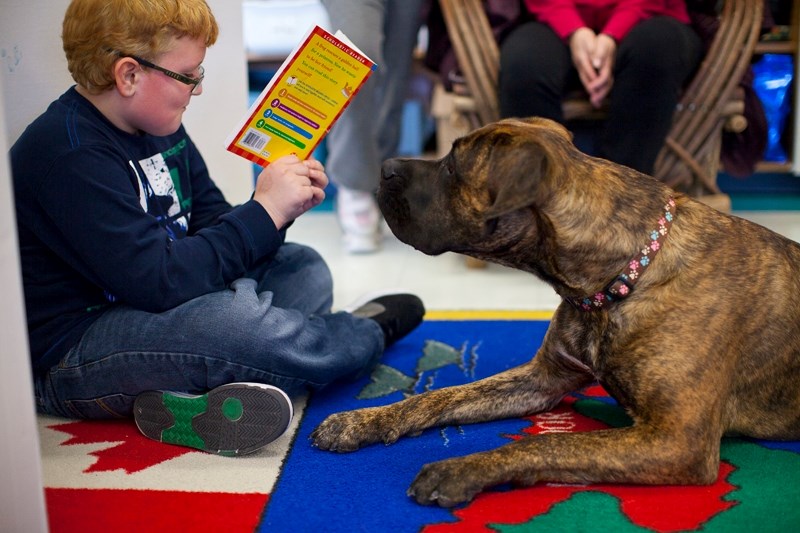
[(534, 69), (653, 63)]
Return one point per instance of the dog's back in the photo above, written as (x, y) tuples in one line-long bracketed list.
[(754, 279)]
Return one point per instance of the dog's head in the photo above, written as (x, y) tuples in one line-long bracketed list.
[(519, 193), (481, 198)]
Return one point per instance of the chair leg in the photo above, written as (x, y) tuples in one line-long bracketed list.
[(720, 202), (471, 262)]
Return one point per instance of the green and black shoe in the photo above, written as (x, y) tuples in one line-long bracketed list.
[(233, 419)]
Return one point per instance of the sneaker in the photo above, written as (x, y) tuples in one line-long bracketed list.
[(396, 314), (233, 419), (359, 218)]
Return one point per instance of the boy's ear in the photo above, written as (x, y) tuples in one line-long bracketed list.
[(126, 71)]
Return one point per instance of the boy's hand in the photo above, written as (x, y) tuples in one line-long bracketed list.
[(288, 187)]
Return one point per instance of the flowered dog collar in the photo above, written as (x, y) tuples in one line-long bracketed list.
[(622, 286)]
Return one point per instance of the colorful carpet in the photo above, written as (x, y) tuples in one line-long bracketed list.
[(104, 476)]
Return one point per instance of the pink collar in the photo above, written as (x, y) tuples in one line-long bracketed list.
[(622, 286)]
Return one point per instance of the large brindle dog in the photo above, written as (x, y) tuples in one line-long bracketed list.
[(688, 317)]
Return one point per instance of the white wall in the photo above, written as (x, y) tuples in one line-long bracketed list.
[(33, 72), (21, 495), (212, 115)]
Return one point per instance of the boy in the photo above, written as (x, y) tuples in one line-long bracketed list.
[(140, 278)]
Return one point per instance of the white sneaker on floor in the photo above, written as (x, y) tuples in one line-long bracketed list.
[(359, 219)]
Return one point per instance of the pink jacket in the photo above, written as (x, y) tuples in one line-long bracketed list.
[(612, 17)]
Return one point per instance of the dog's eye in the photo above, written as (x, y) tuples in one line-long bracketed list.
[(491, 226)]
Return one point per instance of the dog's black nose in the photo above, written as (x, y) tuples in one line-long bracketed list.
[(391, 168)]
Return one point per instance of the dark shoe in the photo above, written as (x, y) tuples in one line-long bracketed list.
[(233, 419), (396, 314)]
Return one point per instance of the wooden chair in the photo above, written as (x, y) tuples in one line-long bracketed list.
[(711, 103)]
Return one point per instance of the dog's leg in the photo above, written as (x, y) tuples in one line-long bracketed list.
[(640, 455), (530, 388)]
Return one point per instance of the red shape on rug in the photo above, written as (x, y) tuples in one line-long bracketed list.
[(122, 511), (129, 450), (561, 419), (690, 506)]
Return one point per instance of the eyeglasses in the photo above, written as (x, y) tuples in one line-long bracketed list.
[(194, 82)]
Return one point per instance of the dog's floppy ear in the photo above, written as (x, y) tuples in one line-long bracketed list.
[(517, 165)]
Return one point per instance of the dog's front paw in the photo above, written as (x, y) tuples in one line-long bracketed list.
[(447, 483), (351, 430)]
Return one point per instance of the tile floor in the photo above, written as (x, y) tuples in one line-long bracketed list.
[(445, 282)]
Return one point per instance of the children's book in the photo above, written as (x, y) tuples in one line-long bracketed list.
[(303, 99)]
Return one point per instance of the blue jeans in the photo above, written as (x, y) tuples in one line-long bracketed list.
[(274, 326)]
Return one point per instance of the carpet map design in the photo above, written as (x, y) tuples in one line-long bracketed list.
[(103, 475)]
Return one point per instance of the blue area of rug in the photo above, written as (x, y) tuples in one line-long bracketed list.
[(366, 490)]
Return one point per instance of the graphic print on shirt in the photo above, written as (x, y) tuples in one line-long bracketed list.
[(161, 188)]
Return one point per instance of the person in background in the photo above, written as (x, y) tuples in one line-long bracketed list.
[(147, 293), (368, 131), (635, 55)]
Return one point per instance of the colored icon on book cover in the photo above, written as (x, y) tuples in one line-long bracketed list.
[(303, 100)]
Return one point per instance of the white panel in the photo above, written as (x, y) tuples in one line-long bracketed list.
[(21, 494)]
